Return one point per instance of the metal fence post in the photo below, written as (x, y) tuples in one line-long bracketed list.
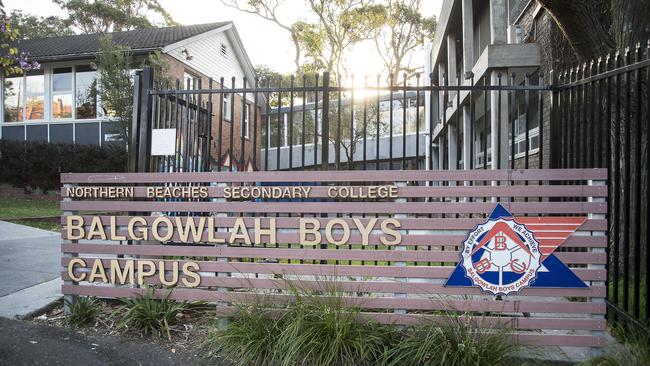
[(325, 144), (135, 121), (144, 125)]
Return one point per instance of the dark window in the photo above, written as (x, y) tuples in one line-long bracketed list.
[(37, 133), (13, 133), (87, 133), (61, 133)]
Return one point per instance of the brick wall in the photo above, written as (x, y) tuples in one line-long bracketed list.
[(176, 71), (556, 54)]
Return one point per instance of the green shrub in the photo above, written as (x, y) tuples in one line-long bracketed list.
[(249, 339), (83, 310), (38, 165), (457, 341), (150, 315), (633, 350), (316, 329)]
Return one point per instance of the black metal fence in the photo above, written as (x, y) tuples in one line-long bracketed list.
[(601, 118)]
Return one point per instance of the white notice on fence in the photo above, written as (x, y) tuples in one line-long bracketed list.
[(163, 141)]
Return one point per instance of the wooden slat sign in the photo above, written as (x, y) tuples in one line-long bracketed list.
[(526, 246)]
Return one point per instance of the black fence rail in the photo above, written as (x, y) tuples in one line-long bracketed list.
[(601, 118)]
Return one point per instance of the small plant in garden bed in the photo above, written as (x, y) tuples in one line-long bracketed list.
[(149, 314), (634, 349), (457, 340), (83, 310)]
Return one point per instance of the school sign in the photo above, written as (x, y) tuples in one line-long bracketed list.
[(403, 244)]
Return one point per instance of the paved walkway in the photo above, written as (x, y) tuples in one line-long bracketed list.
[(30, 266), (24, 343)]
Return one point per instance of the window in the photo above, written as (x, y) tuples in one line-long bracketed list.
[(190, 81), (86, 93), (13, 97), (520, 136), (245, 119), (227, 102), (62, 93), (35, 96), (224, 50)]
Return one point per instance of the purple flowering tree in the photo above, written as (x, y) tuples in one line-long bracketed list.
[(12, 61)]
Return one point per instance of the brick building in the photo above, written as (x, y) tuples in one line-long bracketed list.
[(59, 103), (486, 43)]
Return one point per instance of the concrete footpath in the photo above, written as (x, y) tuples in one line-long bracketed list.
[(24, 343), (30, 267)]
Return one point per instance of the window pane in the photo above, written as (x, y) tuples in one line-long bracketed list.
[(13, 99), (62, 79), (35, 96), (86, 93), (62, 106)]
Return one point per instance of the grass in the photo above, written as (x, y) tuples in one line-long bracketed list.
[(633, 350), (630, 303), (457, 341), (150, 315), (16, 210), (319, 328), (83, 311), (312, 330)]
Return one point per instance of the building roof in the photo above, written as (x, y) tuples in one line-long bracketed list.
[(86, 45)]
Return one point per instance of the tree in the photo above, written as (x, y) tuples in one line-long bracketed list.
[(404, 31), (596, 27), (268, 10), (115, 64), (31, 26), (101, 16), (12, 61), (341, 24), (116, 87)]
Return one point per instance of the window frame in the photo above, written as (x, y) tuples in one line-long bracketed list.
[(246, 120), (227, 114)]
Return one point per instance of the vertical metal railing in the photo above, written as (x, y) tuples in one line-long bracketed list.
[(602, 119)]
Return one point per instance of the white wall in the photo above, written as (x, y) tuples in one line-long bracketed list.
[(208, 60)]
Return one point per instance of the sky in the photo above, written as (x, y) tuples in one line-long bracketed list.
[(265, 42)]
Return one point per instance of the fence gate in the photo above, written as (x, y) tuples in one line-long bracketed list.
[(401, 252)]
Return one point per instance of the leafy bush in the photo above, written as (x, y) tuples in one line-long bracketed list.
[(83, 310), (38, 165), (634, 350), (457, 341), (313, 330), (248, 340), (150, 315)]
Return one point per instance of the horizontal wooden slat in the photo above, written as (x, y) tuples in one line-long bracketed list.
[(338, 176), (363, 302), (317, 254), (443, 191), (326, 270), (338, 207), (511, 322), (545, 239), (407, 223)]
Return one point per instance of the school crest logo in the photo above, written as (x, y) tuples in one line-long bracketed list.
[(506, 254)]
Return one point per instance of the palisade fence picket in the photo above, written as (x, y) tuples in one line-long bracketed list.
[(601, 119), (396, 284)]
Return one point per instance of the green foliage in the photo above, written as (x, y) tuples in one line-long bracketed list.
[(316, 329), (38, 165), (458, 341), (249, 339), (12, 61), (321, 330), (101, 16), (149, 314), (634, 349), (83, 310), (32, 26), (116, 88)]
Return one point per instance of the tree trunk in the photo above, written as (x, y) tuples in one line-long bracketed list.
[(585, 23)]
